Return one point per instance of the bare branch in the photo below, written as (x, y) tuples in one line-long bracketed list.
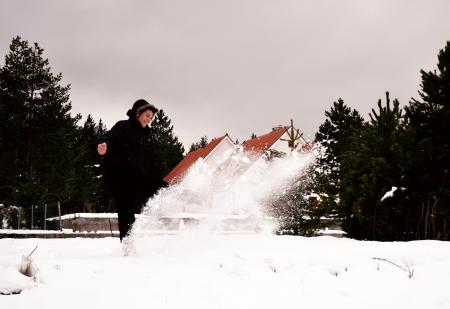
[(408, 269)]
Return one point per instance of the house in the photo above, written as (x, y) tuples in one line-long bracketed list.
[(280, 140)]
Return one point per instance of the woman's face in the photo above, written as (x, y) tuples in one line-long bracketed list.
[(145, 118)]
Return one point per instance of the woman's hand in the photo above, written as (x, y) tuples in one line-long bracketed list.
[(101, 148)]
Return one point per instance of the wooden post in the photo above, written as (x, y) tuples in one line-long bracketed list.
[(293, 136), (45, 216), (32, 215), (59, 213)]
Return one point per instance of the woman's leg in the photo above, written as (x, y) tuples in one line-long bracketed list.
[(125, 212)]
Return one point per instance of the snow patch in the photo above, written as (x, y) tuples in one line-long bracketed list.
[(390, 193)]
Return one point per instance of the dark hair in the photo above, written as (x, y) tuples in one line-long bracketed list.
[(139, 107)]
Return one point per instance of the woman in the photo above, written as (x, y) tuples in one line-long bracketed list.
[(122, 151)]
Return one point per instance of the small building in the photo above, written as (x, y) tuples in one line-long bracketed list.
[(85, 222)]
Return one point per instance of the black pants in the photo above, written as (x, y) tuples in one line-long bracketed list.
[(125, 206)]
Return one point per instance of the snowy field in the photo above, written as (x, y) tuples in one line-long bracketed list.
[(194, 270), (206, 268)]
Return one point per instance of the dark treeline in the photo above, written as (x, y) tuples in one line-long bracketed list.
[(403, 151), (386, 178), (45, 154), (203, 142)]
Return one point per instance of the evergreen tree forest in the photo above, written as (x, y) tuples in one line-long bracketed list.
[(46, 154), (388, 178)]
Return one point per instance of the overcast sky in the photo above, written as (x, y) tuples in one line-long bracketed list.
[(236, 67)]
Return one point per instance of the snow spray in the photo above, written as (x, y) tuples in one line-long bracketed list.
[(227, 197)]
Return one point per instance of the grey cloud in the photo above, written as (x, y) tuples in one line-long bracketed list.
[(239, 67)]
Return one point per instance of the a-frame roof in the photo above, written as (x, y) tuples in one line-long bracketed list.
[(181, 168), (260, 144)]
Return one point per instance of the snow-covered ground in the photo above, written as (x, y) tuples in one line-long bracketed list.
[(208, 267), (200, 270)]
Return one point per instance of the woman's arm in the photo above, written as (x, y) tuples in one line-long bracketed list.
[(112, 137)]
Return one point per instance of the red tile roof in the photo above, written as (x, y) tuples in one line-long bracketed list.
[(256, 146), (177, 173), (262, 143)]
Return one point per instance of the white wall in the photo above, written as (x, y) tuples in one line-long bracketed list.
[(221, 152)]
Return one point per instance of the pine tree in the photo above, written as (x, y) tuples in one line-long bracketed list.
[(89, 195), (38, 133), (427, 154), (294, 208), (370, 168), (203, 142), (334, 137), (162, 151)]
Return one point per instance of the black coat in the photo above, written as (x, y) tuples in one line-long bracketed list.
[(122, 163)]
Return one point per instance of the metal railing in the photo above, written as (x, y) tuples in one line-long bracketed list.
[(31, 216)]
